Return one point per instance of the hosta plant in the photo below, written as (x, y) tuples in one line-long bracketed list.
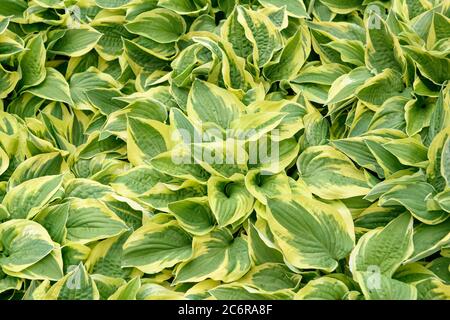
[(224, 149)]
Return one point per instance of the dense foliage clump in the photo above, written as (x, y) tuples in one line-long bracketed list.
[(224, 149)]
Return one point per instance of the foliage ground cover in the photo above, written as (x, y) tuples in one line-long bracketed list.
[(224, 149)]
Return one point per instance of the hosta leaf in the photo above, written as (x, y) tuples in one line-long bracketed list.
[(381, 287), (216, 256), (383, 48), (310, 234), (106, 286), (418, 115), (325, 288), (117, 121), (243, 292), (74, 42), (10, 44), (429, 239), (105, 100), (32, 62), (345, 86), (403, 177), (110, 45), (342, 6), (74, 254), (445, 167), (54, 87), (439, 267), (413, 197), (295, 8), (330, 174), (153, 291), (230, 201), (126, 209), (351, 51), (76, 285), (154, 247), (127, 291), (4, 161), (48, 268), (168, 163), (38, 166), (252, 127), (24, 243), (209, 103), (292, 57), (223, 159), (91, 220), (141, 59), (264, 186), (184, 7), (13, 8), (194, 215), (339, 30), (54, 219), (262, 33), (368, 255), (81, 83), (146, 139), (324, 74), (106, 258), (137, 181), (160, 25), (271, 277), (10, 283), (432, 289), (112, 4), (8, 81), (26, 199), (234, 33), (4, 22), (434, 66), (381, 87), (184, 64), (86, 189), (408, 151), (260, 252), (161, 196)]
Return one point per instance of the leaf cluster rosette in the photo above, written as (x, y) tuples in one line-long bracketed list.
[(99, 98)]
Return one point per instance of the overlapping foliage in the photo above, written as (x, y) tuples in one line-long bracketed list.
[(94, 207)]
